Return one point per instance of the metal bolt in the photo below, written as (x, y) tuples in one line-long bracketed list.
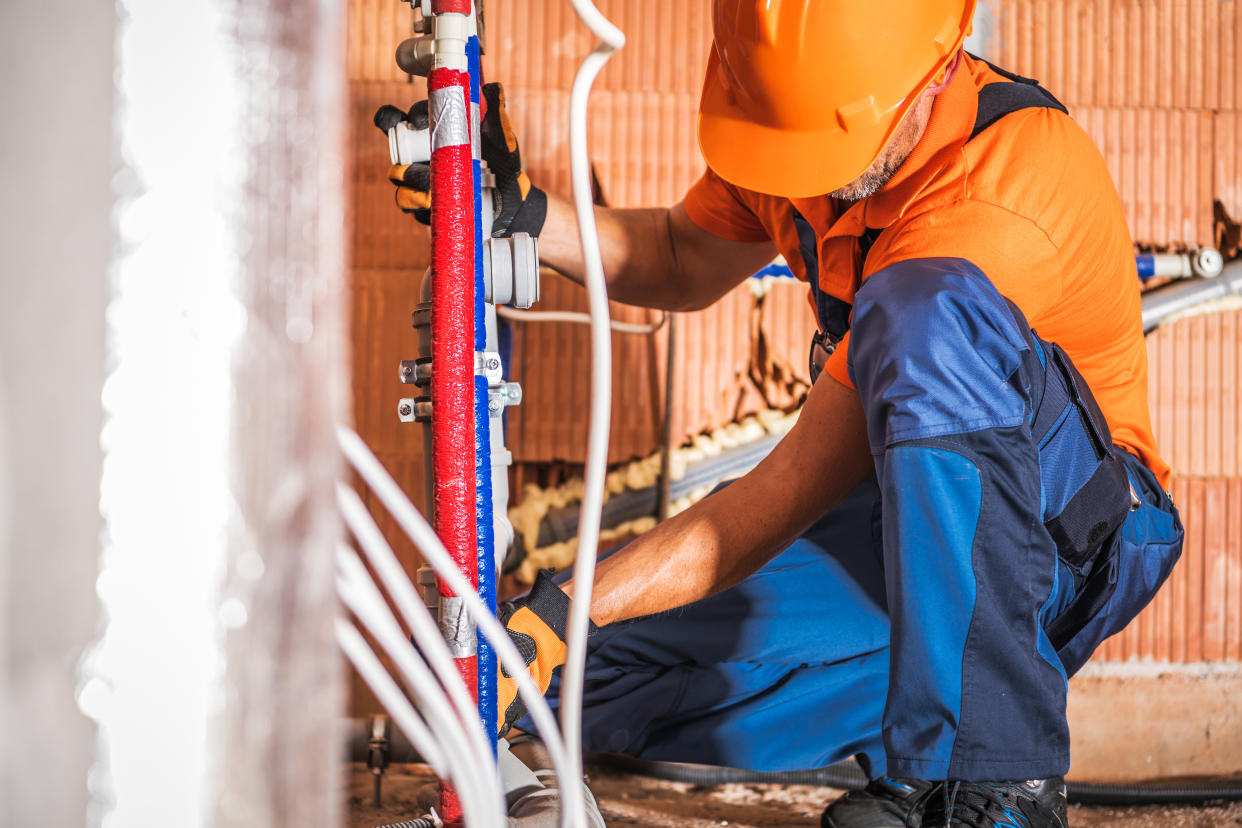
[(494, 405), (405, 410), (493, 363), (512, 392)]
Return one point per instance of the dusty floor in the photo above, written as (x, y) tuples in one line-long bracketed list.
[(639, 802)]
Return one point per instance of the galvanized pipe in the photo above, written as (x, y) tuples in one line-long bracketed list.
[(1180, 296)]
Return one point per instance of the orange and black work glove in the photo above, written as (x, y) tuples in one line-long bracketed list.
[(536, 623), (517, 206)]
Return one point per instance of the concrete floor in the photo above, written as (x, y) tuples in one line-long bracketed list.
[(639, 802)]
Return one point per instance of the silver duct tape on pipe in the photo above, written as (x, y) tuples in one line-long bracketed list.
[(1165, 302), (217, 680)]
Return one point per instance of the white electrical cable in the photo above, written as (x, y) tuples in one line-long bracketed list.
[(389, 694), (426, 633), (574, 804), (417, 617), (580, 319), (462, 739), (425, 538), (613, 39), (364, 599), (404, 715), (478, 797)]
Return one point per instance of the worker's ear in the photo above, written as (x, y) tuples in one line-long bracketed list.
[(945, 77)]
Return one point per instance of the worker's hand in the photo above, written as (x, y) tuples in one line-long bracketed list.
[(536, 624), (517, 206)]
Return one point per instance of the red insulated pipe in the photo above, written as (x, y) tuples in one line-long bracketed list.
[(452, 345), (450, 6)]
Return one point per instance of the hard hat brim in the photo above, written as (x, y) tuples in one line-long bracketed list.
[(784, 162)]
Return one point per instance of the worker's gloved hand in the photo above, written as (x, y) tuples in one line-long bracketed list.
[(517, 206), (536, 624)]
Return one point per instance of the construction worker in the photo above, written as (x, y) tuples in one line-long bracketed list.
[(971, 499)]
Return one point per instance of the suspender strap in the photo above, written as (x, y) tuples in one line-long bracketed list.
[(996, 100), (832, 313)]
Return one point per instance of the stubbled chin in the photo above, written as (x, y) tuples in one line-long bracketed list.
[(858, 190)]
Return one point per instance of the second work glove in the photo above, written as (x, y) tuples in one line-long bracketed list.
[(536, 623), (517, 206)]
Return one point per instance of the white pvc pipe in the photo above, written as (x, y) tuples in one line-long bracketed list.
[(601, 399), (425, 538)]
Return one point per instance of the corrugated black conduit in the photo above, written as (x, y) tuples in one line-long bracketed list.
[(1155, 793), (849, 776)]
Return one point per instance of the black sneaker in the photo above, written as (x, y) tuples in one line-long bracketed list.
[(1038, 803), (884, 803)]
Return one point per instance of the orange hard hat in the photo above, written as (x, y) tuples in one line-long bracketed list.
[(801, 95)]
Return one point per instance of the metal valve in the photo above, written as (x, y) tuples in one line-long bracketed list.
[(414, 56)]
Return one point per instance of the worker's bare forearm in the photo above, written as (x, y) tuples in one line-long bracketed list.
[(727, 536), (653, 257), (691, 556), (638, 258)]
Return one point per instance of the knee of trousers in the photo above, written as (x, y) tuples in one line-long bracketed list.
[(936, 350)]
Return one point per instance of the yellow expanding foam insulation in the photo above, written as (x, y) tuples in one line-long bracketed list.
[(640, 474)]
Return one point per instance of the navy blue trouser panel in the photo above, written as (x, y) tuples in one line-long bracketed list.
[(787, 670), (949, 380)]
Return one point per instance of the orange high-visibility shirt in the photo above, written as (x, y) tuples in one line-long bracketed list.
[(1029, 201)]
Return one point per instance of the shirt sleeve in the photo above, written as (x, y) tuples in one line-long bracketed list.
[(1012, 251), (719, 208), (836, 366)]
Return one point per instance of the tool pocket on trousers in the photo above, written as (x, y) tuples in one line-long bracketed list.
[(1086, 493), (1138, 560)]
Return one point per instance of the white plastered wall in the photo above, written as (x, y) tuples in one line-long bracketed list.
[(56, 64)]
